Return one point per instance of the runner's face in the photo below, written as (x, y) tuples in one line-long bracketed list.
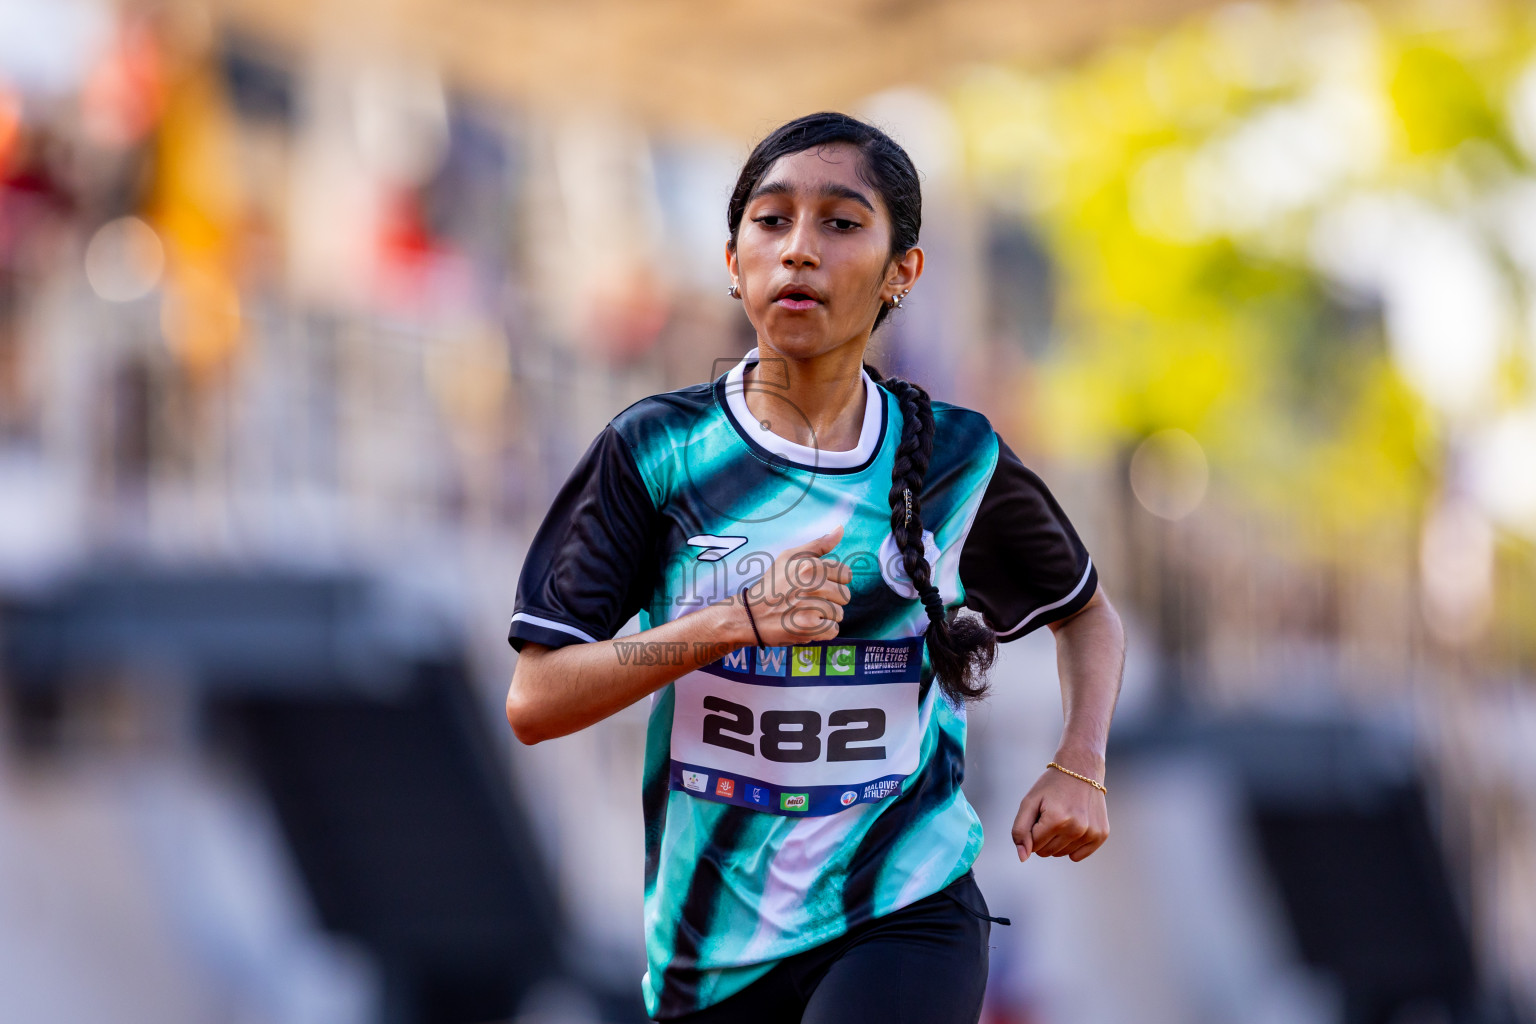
[(813, 252)]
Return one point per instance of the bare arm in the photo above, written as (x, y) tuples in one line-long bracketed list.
[(1063, 816), (556, 691)]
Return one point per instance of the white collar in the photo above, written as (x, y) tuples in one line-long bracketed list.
[(804, 455)]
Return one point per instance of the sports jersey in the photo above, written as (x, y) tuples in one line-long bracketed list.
[(792, 793)]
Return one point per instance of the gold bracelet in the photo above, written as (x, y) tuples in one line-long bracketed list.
[(1095, 784)]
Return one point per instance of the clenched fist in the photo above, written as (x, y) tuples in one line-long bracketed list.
[(802, 595), (1061, 816)]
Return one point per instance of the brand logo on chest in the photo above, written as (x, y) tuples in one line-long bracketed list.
[(715, 548)]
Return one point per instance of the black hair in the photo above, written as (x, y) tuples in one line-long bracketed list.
[(961, 649), (885, 167)]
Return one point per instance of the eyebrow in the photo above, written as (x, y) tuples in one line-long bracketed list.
[(828, 190)]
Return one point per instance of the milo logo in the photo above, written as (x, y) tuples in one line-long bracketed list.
[(794, 801)]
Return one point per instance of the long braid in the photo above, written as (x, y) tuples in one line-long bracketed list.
[(962, 650)]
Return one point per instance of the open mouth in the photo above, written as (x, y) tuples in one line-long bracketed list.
[(793, 297)]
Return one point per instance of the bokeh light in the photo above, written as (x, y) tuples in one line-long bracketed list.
[(124, 260), (1170, 474)]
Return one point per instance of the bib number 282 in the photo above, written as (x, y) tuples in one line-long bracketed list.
[(794, 737)]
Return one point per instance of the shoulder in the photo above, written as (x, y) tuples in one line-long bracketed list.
[(663, 418), (959, 418), (962, 434), (657, 426), (665, 410)]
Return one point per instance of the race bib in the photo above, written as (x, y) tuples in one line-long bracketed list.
[(806, 730)]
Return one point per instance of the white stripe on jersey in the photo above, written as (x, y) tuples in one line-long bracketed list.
[(1054, 604), (552, 624)]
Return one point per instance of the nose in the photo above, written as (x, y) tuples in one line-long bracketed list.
[(800, 248)]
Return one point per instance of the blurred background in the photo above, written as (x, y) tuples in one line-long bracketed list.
[(306, 310)]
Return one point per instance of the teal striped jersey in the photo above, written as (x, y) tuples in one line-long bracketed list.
[(791, 794)]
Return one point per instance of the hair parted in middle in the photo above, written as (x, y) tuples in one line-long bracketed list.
[(961, 648)]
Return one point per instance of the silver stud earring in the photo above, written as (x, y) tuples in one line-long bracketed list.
[(896, 299), (733, 291)]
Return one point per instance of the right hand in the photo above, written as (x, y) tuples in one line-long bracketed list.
[(802, 595)]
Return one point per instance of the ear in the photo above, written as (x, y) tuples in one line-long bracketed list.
[(904, 272), (730, 262)]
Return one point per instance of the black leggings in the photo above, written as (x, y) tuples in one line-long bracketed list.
[(924, 964)]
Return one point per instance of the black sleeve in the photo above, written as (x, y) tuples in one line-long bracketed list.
[(1023, 565), (592, 562)]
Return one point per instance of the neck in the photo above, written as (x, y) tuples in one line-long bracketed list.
[(825, 396)]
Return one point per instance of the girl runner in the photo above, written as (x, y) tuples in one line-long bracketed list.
[(797, 537)]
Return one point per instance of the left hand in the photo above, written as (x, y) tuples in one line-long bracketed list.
[(1062, 816)]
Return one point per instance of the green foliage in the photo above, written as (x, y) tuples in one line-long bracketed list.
[(1178, 180), (1438, 101)]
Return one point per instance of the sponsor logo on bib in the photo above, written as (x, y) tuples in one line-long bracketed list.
[(809, 729), (882, 658), (807, 661)]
